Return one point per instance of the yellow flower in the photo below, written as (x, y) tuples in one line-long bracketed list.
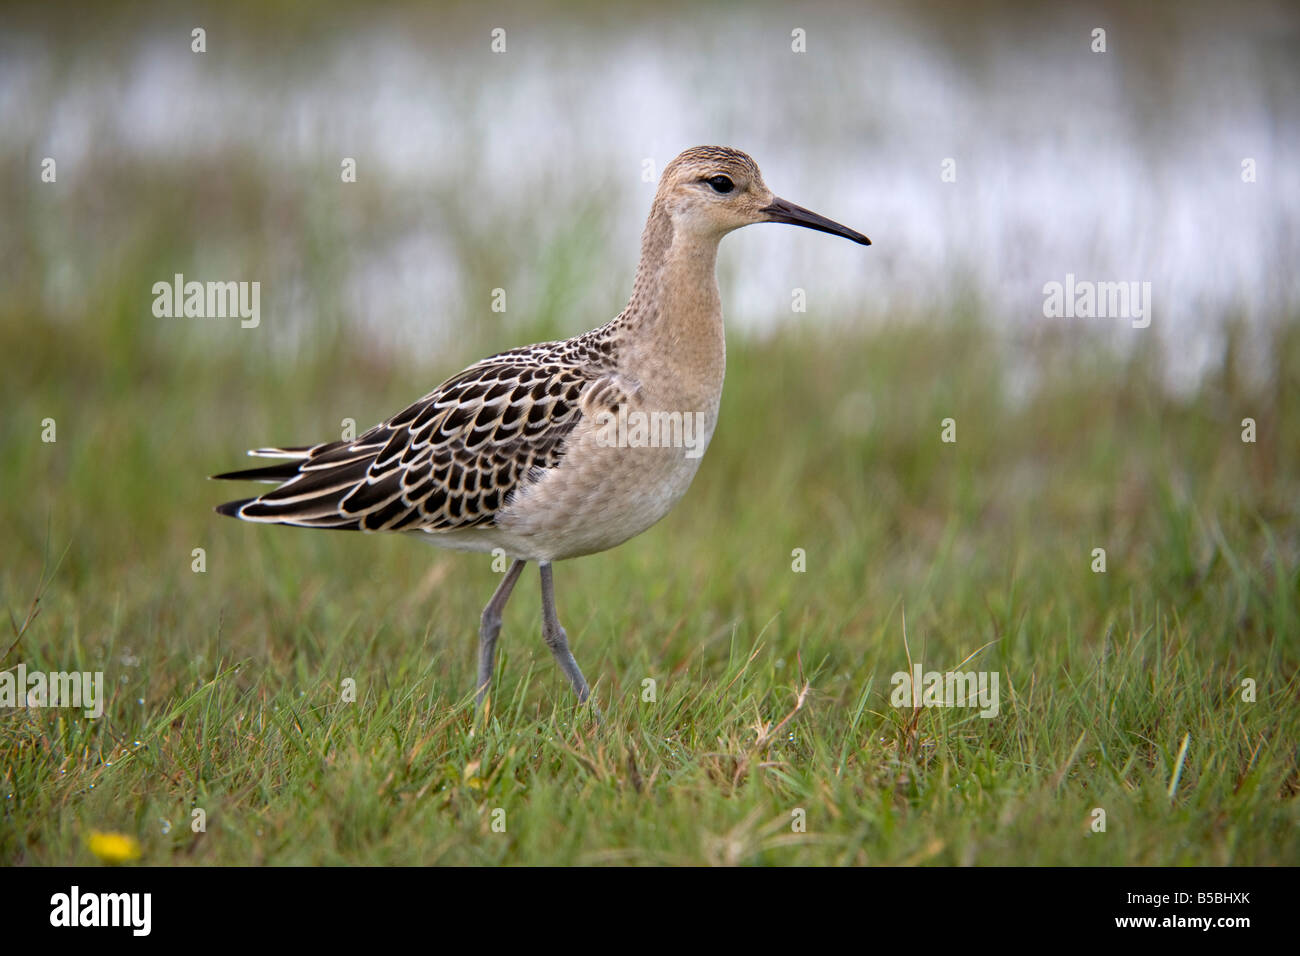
[(114, 847)]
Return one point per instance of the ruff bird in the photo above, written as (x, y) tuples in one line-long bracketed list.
[(562, 449)]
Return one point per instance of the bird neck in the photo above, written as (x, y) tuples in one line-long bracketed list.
[(675, 311)]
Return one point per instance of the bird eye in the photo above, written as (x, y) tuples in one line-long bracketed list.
[(721, 184)]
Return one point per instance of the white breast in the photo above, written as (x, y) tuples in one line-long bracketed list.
[(617, 478)]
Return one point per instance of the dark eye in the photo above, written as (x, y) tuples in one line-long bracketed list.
[(721, 184)]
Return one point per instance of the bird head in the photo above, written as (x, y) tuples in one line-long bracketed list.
[(711, 190)]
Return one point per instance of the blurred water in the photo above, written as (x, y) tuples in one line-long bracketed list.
[(1123, 165)]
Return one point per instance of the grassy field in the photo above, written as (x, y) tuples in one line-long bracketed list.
[(772, 685)]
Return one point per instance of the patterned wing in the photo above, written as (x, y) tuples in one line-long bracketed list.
[(451, 460)]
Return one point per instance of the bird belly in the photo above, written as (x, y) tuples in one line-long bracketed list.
[(619, 475)]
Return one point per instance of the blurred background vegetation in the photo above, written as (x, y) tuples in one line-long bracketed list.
[(523, 171)]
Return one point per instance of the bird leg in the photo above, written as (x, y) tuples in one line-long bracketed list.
[(490, 627), (556, 639)]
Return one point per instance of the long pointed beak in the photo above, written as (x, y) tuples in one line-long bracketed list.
[(782, 210)]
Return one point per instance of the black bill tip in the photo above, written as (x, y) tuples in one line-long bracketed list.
[(782, 210)]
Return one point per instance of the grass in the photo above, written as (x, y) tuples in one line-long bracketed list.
[(1119, 690)]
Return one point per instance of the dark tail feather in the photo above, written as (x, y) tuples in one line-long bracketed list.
[(282, 471), (231, 508)]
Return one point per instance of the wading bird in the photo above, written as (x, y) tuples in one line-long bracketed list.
[(516, 452)]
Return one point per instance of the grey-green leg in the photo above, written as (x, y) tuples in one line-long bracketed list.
[(490, 627), (556, 639)]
